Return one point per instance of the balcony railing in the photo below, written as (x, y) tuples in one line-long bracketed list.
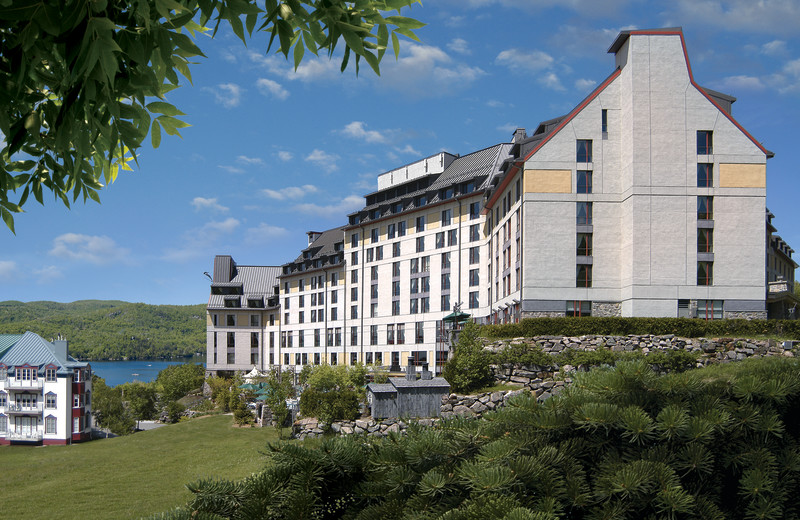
[(24, 436), (21, 408), (24, 383)]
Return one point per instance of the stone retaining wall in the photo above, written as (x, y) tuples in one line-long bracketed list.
[(546, 381)]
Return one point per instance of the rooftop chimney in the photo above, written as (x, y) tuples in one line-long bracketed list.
[(60, 346), (426, 374), (519, 135), (411, 370), (312, 236)]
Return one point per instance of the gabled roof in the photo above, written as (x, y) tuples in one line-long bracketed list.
[(323, 252), (33, 350), (255, 281), (6, 341)]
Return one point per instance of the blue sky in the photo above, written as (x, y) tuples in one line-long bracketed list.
[(273, 153)]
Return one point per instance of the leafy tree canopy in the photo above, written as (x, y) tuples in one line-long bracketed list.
[(176, 381), (83, 82)]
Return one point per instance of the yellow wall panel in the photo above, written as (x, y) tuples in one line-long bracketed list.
[(548, 181), (743, 175)]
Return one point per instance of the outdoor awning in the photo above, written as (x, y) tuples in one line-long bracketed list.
[(457, 317)]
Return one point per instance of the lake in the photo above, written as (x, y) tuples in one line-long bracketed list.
[(119, 372)]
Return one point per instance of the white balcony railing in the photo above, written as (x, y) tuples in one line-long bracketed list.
[(23, 408), (24, 383), (34, 436)]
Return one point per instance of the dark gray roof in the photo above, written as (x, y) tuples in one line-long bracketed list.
[(32, 349), (436, 382), (255, 281), (381, 388), (623, 36), (323, 252)]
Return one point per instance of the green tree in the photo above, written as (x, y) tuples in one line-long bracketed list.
[(108, 408), (333, 392), (280, 389), (797, 288), (84, 81), (176, 381), (470, 366), (141, 400), (220, 392)]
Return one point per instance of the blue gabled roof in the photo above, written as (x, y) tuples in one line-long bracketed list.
[(32, 349), (6, 341)]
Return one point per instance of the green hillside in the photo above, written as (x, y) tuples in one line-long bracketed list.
[(109, 329)]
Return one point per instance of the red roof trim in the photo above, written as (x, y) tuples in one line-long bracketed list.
[(570, 116)]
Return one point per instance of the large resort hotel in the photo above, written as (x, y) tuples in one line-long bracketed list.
[(647, 199)]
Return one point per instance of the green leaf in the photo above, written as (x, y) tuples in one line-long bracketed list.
[(8, 219), (299, 51), (155, 134), (160, 107)]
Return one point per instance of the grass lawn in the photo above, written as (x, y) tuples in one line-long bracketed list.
[(127, 477)]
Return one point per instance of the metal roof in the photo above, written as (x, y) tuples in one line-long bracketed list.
[(436, 382), (6, 341), (32, 349), (256, 281)]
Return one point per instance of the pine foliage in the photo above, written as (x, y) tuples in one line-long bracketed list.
[(619, 443)]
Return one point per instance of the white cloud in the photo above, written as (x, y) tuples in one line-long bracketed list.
[(285, 156), (271, 88), (99, 250), (459, 45), (742, 82), (508, 128), (408, 149), (231, 169), (8, 270), (356, 130), (290, 192), (197, 242), (228, 95), (312, 68), (550, 80), (264, 233), (425, 71), (48, 273), (250, 160), (531, 61), (494, 103), (324, 160), (343, 207), (774, 48), (763, 16), (584, 85), (201, 203)]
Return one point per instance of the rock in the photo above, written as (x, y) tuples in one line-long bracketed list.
[(463, 410), (496, 397), (478, 407), (393, 428), (347, 430), (361, 423)]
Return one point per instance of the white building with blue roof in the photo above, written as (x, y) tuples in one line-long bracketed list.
[(45, 394)]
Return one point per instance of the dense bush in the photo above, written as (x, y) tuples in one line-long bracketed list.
[(469, 368), (176, 381), (332, 392), (683, 327), (722, 442)]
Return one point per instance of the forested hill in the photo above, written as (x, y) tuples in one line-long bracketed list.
[(108, 329)]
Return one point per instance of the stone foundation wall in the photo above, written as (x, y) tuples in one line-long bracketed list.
[(745, 315), (606, 309), (541, 314)]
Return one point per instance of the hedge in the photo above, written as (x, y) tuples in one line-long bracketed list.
[(613, 326)]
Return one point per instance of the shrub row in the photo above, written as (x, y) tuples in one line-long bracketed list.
[(613, 326)]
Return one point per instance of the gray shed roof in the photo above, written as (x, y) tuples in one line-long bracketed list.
[(381, 388), (436, 382)]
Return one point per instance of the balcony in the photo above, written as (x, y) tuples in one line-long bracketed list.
[(24, 409), (28, 436), (24, 384)]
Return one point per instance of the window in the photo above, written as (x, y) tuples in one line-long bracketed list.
[(705, 175), (3, 399), (705, 273), (254, 340), (584, 213), (353, 336), (334, 359), (329, 338), (334, 279), (447, 193), (420, 244), (373, 236), (414, 306), (379, 253), (473, 300), (447, 215), (705, 240), (354, 294), (230, 320), (474, 255), (254, 318), (604, 121), (396, 308), (254, 356), (379, 358), (301, 341), (474, 233), (313, 316), (390, 334), (353, 358), (370, 255), (420, 201), (425, 304), (49, 424), (584, 151), (391, 229), (313, 282), (445, 281), (50, 375), (401, 228), (705, 141), (425, 284), (583, 275), (401, 334), (474, 210), (395, 269), (50, 400), (231, 340), (709, 309), (374, 291), (354, 276), (579, 308), (301, 317), (373, 273), (285, 318), (368, 359), (705, 207), (354, 240), (420, 223), (474, 278), (334, 314), (584, 181), (354, 258), (445, 302), (3, 423), (452, 237), (584, 246), (396, 249), (76, 401), (313, 299), (316, 337), (414, 266), (439, 240), (419, 332), (426, 264), (396, 288), (338, 335), (445, 260), (334, 296), (373, 334)]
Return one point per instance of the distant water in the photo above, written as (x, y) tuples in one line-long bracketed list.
[(119, 372)]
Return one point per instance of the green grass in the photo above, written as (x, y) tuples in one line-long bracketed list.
[(127, 477)]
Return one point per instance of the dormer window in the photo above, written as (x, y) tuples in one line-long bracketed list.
[(50, 374)]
